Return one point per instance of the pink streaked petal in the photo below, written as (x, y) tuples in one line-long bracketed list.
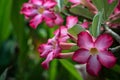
[(58, 20), (36, 21), (44, 50), (110, 1), (28, 10), (48, 14), (93, 66), (71, 21), (50, 22), (49, 4), (103, 42), (85, 24), (85, 40), (36, 2), (75, 1), (45, 64), (107, 59), (81, 56)]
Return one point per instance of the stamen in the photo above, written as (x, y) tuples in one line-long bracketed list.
[(41, 10), (93, 51)]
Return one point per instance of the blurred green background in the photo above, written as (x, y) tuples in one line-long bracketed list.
[(19, 59)]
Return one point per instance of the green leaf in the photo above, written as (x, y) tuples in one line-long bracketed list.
[(70, 67), (3, 76), (75, 30), (103, 5), (78, 10), (5, 26), (60, 4), (96, 24), (116, 68), (53, 70)]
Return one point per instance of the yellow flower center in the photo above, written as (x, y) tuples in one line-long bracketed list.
[(41, 10), (93, 51)]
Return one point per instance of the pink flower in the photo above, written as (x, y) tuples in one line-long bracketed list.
[(50, 50), (110, 1), (117, 9), (52, 22), (38, 10), (85, 24), (77, 2), (94, 52), (70, 22)]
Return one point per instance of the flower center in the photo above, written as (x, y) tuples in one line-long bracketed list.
[(93, 51), (41, 10)]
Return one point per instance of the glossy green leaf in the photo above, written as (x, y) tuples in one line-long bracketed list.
[(5, 26), (70, 67), (75, 30), (53, 70), (78, 10), (103, 5), (96, 24)]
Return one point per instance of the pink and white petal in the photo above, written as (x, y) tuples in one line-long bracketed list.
[(103, 42), (75, 1), (28, 10), (45, 64), (107, 59), (48, 14), (36, 2), (71, 21), (110, 1), (85, 40), (85, 24), (50, 22), (49, 4), (58, 20), (93, 66), (81, 56), (36, 21)]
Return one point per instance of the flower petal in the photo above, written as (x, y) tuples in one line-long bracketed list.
[(36, 21), (103, 42), (48, 14), (75, 1), (85, 40), (85, 24), (28, 10), (110, 1), (58, 20), (93, 66), (107, 59), (45, 64), (81, 56), (36, 2), (71, 21), (49, 4)]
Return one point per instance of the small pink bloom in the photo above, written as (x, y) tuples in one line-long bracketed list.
[(38, 10), (85, 24), (52, 22), (70, 22), (50, 50), (77, 2), (94, 52), (117, 9), (110, 1)]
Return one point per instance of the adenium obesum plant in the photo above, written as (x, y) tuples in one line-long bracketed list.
[(92, 50)]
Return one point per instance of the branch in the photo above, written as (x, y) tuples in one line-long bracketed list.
[(115, 49)]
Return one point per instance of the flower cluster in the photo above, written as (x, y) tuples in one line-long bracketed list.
[(92, 51)]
